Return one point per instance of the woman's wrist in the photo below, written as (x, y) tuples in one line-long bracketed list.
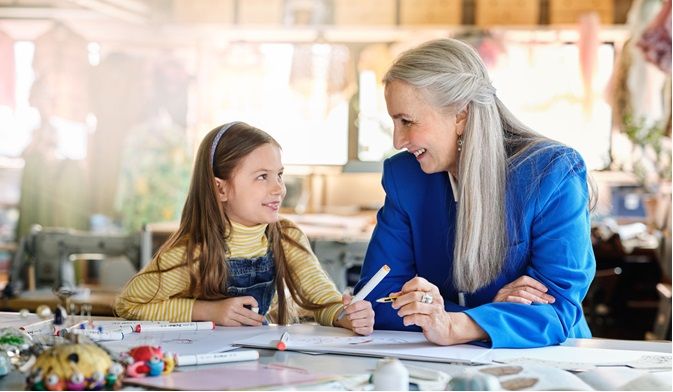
[(464, 329)]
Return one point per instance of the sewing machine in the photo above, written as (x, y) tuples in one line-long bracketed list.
[(46, 256)]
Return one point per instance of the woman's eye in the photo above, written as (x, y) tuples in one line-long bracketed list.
[(261, 177), (280, 176), (406, 122)]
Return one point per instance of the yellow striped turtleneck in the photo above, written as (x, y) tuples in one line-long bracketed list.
[(139, 302)]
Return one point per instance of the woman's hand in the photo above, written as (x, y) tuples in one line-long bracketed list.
[(439, 326), (229, 312), (524, 290), (359, 317)]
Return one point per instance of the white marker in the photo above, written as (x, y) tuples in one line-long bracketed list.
[(204, 359), (97, 335), (44, 327), (128, 326), (193, 326), (364, 292)]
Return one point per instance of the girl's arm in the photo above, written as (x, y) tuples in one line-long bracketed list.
[(313, 282), (152, 295)]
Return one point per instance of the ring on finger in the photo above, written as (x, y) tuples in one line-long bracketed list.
[(426, 298)]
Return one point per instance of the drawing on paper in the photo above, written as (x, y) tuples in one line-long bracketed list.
[(304, 340)]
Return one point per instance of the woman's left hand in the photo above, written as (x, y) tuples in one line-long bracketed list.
[(420, 303), (359, 316)]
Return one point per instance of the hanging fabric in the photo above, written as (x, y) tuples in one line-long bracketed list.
[(656, 39), (7, 72)]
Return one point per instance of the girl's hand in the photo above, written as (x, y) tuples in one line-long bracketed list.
[(524, 290), (359, 317), (438, 325), (229, 312)]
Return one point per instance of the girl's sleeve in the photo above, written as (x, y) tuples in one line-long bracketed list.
[(561, 258), (152, 296), (312, 281), (391, 244)]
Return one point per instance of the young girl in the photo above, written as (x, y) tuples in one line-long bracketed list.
[(232, 253)]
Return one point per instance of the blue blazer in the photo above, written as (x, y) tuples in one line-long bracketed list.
[(549, 240)]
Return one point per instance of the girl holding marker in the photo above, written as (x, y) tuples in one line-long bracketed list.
[(232, 252)]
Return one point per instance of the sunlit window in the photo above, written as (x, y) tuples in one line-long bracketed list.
[(17, 124), (541, 83), (294, 92)]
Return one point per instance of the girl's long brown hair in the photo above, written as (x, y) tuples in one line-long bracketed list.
[(205, 227)]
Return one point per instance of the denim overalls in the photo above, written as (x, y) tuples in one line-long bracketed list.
[(253, 277)]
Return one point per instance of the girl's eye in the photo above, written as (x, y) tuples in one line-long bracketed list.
[(261, 177)]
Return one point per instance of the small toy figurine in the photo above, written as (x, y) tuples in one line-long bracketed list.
[(149, 361), (5, 364), (74, 367), (75, 382), (12, 342), (113, 378)]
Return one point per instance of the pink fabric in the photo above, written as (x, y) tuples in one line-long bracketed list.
[(7, 74), (589, 27), (656, 39)]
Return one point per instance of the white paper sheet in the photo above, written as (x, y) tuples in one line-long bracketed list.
[(404, 345), (612, 379), (185, 342), (575, 358)]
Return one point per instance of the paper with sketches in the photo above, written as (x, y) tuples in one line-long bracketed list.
[(612, 379), (579, 358), (651, 362), (184, 342), (232, 377), (405, 345)]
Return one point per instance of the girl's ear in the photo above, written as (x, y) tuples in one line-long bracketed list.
[(222, 189)]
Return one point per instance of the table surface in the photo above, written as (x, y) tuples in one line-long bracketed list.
[(102, 302), (355, 365)]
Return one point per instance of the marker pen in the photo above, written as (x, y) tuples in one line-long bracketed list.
[(193, 326), (204, 359), (364, 292), (97, 335), (282, 343)]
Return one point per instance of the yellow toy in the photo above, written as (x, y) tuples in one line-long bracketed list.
[(75, 367)]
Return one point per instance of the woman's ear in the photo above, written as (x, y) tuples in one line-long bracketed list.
[(461, 121), (222, 189)]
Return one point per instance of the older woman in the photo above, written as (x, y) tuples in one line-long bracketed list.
[(486, 223)]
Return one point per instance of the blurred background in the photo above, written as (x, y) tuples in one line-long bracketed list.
[(103, 103)]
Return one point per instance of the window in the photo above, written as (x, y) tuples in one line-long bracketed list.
[(297, 93), (541, 83)]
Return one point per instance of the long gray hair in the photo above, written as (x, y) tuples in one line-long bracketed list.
[(452, 76)]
